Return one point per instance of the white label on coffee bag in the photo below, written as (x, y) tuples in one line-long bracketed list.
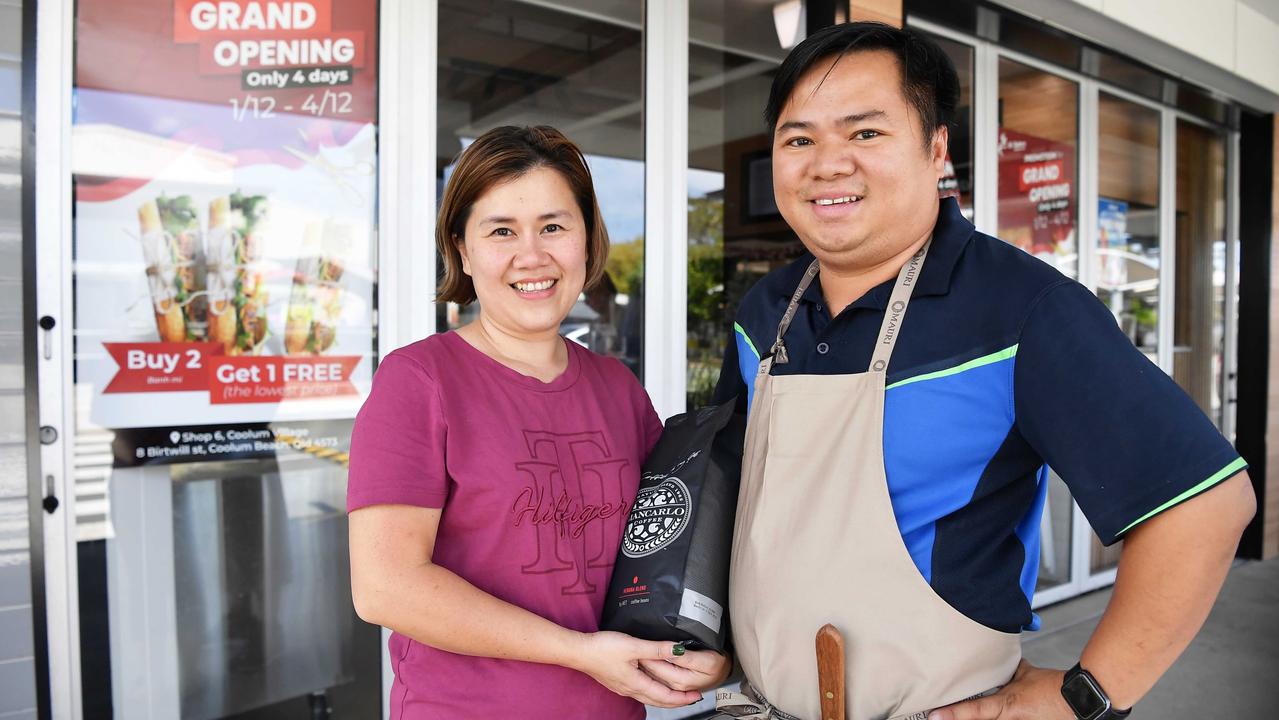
[(699, 608)]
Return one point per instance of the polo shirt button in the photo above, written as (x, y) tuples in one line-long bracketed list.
[(823, 348)]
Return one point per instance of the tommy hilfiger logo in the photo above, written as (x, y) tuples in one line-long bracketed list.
[(574, 503)]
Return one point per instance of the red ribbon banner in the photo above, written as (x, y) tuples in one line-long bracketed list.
[(272, 379), (193, 366), (160, 366)]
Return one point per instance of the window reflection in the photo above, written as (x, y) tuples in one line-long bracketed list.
[(1037, 141), (735, 234), (554, 63), (1128, 218), (1200, 330)]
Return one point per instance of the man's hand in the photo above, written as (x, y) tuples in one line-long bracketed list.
[(1033, 694), (696, 670)]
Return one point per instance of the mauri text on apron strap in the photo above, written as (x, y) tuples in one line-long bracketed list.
[(896, 310), (905, 285)]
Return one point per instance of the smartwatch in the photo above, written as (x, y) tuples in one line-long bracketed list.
[(1086, 698)]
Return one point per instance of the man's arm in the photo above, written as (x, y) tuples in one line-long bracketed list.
[(1170, 571)]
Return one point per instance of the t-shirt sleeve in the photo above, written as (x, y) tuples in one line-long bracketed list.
[(648, 421), (1126, 439), (397, 444)]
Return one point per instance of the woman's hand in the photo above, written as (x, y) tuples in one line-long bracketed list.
[(694, 670), (614, 660)]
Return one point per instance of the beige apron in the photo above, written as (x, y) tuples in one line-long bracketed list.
[(816, 542)]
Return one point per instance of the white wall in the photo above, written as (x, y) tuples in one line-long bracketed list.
[(1231, 46), (1241, 36)]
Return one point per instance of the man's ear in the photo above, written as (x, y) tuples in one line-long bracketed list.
[(937, 149), (461, 251)]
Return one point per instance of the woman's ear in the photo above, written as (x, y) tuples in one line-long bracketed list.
[(461, 251)]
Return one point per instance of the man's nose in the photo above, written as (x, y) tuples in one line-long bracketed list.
[(833, 160)]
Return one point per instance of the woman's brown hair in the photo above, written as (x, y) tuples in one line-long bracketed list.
[(501, 155)]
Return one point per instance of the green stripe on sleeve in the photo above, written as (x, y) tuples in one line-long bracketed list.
[(995, 357), (747, 338), (1220, 475)]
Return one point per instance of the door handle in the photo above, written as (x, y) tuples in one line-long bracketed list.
[(47, 324)]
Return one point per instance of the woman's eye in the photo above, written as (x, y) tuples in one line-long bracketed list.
[(867, 134), (503, 232), (552, 228)]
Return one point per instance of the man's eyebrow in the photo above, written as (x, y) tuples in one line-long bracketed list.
[(853, 119), (794, 125), (862, 116)]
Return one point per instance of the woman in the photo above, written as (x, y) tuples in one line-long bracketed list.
[(492, 468)]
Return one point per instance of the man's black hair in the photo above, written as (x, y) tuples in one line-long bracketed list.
[(929, 81)]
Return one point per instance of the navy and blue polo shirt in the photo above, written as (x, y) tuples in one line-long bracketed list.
[(1003, 368)]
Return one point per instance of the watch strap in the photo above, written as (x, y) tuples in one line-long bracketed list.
[(1113, 713)]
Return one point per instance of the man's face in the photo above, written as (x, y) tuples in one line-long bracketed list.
[(852, 174)]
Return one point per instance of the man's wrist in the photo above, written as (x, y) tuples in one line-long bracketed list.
[(1088, 698), (1112, 677)]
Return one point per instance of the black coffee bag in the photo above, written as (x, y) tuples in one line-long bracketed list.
[(671, 577)]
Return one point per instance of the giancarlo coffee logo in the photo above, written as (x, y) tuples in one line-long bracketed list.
[(658, 517)]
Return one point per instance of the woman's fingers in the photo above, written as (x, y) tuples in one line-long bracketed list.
[(670, 675), (706, 662), (651, 692)]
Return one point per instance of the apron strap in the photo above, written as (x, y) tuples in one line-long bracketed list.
[(779, 347), (895, 313)]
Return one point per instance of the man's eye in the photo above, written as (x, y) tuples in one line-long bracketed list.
[(799, 141), (867, 134), (553, 227)]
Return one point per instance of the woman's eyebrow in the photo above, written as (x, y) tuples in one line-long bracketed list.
[(504, 220)]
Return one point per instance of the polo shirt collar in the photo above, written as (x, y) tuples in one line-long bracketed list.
[(950, 237)]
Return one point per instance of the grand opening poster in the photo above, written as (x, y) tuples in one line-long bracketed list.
[(225, 194), (1036, 197)]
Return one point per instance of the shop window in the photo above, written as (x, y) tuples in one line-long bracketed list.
[(1200, 326), (735, 234), (224, 239), (1128, 218), (1037, 149), (504, 62)]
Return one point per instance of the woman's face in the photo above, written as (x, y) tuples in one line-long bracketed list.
[(525, 251)]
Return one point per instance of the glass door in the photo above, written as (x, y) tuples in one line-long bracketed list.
[(1038, 190), (1199, 333), (1128, 241), (223, 286)]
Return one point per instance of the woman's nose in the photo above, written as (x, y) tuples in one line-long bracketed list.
[(531, 251)]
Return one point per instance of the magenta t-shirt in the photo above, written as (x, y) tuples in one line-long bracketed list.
[(536, 481)]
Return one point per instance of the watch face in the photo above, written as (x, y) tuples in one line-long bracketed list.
[(1084, 698)]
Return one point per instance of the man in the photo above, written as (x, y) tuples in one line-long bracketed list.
[(909, 380)]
